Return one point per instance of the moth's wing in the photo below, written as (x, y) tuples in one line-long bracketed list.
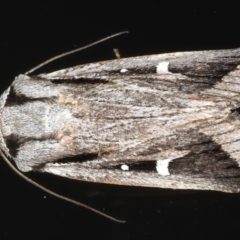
[(197, 145), (197, 65)]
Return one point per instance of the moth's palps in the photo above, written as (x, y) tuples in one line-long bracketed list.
[(167, 121)]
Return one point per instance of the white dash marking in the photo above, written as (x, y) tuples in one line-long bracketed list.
[(162, 67), (162, 166), (125, 167), (123, 70)]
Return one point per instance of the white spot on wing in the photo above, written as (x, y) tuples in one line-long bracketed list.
[(162, 67), (162, 167), (123, 70), (125, 167)]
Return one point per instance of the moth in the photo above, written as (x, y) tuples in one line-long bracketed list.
[(166, 121)]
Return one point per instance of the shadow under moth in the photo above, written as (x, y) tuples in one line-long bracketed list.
[(167, 121)]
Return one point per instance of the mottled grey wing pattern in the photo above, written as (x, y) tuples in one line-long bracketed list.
[(169, 121)]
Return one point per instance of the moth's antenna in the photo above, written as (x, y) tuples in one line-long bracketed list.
[(56, 194), (74, 51)]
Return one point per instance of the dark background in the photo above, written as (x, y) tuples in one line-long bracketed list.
[(34, 32)]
